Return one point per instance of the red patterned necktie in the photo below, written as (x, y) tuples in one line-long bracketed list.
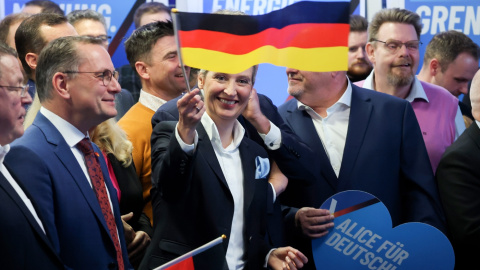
[(95, 172)]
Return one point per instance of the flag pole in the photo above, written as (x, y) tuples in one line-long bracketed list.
[(177, 41), (193, 252)]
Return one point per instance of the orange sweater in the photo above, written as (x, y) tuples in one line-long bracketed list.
[(137, 124)]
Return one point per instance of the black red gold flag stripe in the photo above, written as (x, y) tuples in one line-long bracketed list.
[(307, 35)]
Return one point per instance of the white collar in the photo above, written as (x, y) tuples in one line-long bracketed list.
[(3, 152), (214, 136), (416, 90), (150, 101), (345, 99), (69, 132)]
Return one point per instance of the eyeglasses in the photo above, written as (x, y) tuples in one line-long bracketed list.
[(103, 38), (106, 76), (394, 45), (22, 90)]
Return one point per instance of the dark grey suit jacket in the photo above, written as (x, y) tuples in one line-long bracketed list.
[(458, 178)]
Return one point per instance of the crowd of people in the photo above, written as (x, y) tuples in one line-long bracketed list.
[(191, 159)]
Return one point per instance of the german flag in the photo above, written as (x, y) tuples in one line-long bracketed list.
[(311, 36)]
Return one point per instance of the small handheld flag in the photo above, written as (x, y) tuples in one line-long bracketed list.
[(189, 264), (306, 35)]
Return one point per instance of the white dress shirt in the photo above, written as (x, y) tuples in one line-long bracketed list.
[(332, 129), (3, 170), (231, 165), (150, 101)]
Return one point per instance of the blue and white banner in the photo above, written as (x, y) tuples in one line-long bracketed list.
[(442, 15), (363, 238)]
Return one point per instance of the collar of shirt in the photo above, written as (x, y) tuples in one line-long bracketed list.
[(345, 99), (70, 133), (3, 152), (212, 132), (478, 123), (150, 101), (415, 92)]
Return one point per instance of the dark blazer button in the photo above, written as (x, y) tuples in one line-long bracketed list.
[(112, 265)]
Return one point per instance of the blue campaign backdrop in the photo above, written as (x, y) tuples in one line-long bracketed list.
[(114, 11), (437, 16), (363, 238), (271, 80)]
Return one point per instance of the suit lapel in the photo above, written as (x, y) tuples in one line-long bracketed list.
[(10, 191), (302, 124), (360, 112), (474, 133), (248, 167), (66, 157), (205, 150)]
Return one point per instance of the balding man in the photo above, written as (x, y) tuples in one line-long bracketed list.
[(458, 177), (363, 140)]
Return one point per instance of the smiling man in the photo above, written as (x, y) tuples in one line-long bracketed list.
[(152, 53), (393, 49), (67, 175)]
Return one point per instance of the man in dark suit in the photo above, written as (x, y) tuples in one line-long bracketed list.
[(67, 174), (24, 243), (458, 178), (365, 141)]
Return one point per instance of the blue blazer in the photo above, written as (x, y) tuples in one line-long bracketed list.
[(23, 244), (46, 166), (384, 155), (192, 203)]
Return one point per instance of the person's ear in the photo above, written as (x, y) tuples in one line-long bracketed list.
[(60, 85), (370, 50), (142, 70), (31, 59), (434, 67), (200, 81)]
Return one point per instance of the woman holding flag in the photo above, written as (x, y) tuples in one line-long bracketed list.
[(208, 180)]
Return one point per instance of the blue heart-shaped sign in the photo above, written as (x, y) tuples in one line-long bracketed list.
[(363, 238)]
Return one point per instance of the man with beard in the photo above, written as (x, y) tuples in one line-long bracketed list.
[(393, 44), (358, 64)]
